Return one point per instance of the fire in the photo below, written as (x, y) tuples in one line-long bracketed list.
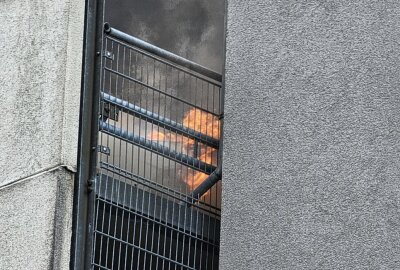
[(157, 136), (204, 123)]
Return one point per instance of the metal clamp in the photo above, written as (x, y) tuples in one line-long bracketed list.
[(91, 182), (109, 55)]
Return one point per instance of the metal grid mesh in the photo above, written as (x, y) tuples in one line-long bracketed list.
[(159, 132)]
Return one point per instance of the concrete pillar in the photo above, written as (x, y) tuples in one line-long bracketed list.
[(311, 171), (41, 47)]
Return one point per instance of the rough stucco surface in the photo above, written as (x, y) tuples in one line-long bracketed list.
[(35, 220), (41, 49), (40, 85), (311, 139)]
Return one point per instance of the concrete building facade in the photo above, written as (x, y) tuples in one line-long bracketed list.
[(311, 134), (40, 96), (311, 138)]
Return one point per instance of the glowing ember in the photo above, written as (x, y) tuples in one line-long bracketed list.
[(204, 123)]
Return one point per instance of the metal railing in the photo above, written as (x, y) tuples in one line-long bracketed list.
[(157, 203)]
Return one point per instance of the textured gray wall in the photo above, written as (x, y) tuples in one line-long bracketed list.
[(35, 222), (311, 143), (40, 77), (41, 56)]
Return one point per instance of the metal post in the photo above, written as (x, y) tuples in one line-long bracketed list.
[(81, 235)]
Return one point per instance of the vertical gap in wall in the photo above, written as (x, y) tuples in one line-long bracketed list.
[(154, 143)]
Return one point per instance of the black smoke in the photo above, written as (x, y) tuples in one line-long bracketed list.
[(193, 29)]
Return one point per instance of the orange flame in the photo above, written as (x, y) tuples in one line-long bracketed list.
[(204, 123)]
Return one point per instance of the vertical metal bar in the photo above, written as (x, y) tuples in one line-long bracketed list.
[(144, 174), (156, 170), (138, 164), (179, 209), (107, 139), (81, 199), (119, 163), (197, 154), (202, 227), (186, 175), (169, 167), (162, 171), (210, 200), (87, 153), (126, 97), (126, 161), (149, 170), (96, 103), (108, 239)]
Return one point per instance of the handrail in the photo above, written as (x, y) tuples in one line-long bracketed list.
[(182, 197), (161, 53), (160, 120), (154, 147)]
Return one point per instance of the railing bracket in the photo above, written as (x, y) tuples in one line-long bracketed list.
[(109, 55), (103, 149)]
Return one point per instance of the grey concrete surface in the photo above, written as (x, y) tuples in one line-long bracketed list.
[(41, 48), (35, 221), (40, 81), (311, 144)]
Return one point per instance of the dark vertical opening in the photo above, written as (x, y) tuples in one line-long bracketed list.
[(149, 189)]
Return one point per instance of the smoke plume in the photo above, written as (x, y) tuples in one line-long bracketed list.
[(193, 29)]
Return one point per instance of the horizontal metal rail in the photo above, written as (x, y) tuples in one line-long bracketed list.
[(156, 148), (143, 249), (168, 63), (158, 187), (153, 206), (160, 121), (157, 221), (158, 90), (161, 53)]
